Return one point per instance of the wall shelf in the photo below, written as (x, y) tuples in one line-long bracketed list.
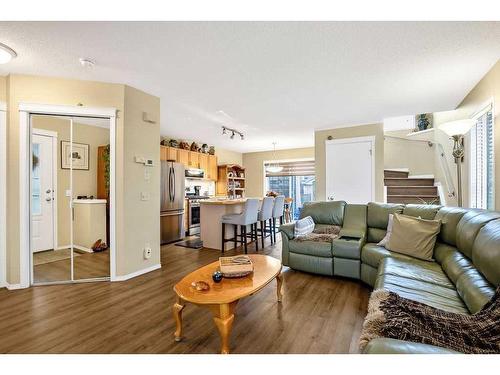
[(421, 132)]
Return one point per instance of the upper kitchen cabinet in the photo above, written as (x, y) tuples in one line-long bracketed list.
[(194, 159), (168, 153), (203, 163), (212, 167), (183, 157)]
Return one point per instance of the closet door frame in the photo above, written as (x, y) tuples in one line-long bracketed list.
[(25, 112)]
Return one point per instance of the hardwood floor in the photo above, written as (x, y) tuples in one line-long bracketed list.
[(318, 314)]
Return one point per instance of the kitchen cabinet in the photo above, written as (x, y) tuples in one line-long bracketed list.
[(194, 159), (163, 152), (203, 163), (183, 157), (212, 167)]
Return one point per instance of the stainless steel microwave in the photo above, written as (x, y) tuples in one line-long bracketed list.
[(195, 173)]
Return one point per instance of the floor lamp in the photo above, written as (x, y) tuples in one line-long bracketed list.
[(457, 130)]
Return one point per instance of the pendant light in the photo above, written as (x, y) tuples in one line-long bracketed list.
[(274, 167)]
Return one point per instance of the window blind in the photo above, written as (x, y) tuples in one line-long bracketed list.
[(482, 177), (293, 168)]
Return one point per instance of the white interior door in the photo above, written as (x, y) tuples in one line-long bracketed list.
[(350, 169), (42, 192)]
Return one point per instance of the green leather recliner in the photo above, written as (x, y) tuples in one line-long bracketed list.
[(462, 277)]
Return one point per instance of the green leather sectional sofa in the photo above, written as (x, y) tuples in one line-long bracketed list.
[(462, 277)]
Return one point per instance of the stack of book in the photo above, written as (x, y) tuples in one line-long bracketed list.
[(237, 266)]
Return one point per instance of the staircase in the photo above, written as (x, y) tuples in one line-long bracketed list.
[(404, 189)]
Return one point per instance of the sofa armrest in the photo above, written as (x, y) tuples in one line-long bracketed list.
[(393, 346), (288, 230), (352, 233)]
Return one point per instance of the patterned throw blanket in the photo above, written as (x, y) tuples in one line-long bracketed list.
[(324, 233), (390, 315)]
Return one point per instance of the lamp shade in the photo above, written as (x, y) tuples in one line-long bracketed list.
[(459, 127)]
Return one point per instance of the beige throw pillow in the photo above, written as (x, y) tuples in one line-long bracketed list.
[(413, 236)]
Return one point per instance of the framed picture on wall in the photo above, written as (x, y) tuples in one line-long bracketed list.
[(80, 155)]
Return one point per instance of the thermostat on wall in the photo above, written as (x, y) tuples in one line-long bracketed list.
[(143, 160)]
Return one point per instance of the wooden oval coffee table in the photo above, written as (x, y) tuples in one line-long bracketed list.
[(223, 297)]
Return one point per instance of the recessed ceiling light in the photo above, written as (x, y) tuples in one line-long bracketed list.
[(6, 54), (87, 63)]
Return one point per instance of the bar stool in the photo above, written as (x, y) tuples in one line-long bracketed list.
[(288, 210), (279, 206), (265, 214), (247, 217)]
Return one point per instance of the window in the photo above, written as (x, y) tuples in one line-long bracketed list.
[(36, 205), (482, 177), (296, 181)]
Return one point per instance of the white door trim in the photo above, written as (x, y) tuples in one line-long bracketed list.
[(25, 110), (54, 136), (3, 192), (371, 139)]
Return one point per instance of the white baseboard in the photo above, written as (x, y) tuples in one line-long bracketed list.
[(15, 286), (137, 273)]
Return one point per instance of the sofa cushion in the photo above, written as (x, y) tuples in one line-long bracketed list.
[(469, 226), (449, 216), (423, 211), (439, 296), (330, 212), (486, 252), (384, 345), (469, 282), (378, 218), (372, 254), (315, 248), (415, 269)]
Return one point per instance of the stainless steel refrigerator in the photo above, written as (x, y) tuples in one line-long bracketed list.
[(172, 201)]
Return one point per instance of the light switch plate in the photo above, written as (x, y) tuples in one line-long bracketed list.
[(144, 196)]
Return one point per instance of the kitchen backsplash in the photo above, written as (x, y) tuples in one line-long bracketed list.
[(206, 186)]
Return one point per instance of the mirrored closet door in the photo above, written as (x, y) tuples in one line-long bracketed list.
[(69, 199)]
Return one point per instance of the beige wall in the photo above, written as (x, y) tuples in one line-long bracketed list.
[(487, 88), (84, 182), (141, 219), (417, 156), (321, 136), (254, 166), (35, 89), (3, 89)]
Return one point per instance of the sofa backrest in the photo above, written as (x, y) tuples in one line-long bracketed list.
[(328, 212), (469, 226), (377, 218), (486, 251), (449, 216)]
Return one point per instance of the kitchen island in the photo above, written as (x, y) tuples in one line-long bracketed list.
[(211, 212)]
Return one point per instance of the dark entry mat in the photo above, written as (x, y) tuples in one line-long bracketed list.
[(192, 244)]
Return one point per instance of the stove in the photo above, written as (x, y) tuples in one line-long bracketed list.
[(193, 213)]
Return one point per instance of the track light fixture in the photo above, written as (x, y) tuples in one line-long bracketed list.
[(226, 130)]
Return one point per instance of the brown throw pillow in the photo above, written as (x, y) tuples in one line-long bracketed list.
[(413, 236)]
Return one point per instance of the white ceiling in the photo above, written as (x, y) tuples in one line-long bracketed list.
[(274, 81)]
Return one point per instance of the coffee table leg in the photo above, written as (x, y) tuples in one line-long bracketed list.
[(279, 282), (177, 310), (223, 319)]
